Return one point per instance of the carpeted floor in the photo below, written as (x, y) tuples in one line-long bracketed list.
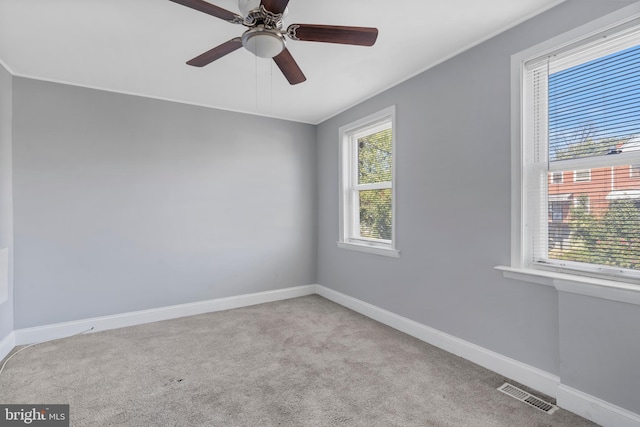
[(299, 362)]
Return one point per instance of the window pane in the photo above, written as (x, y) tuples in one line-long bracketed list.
[(375, 157), (582, 175), (557, 178), (375, 214), (594, 107), (596, 221)]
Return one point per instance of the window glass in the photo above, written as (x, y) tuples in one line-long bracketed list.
[(367, 200), (375, 157), (584, 119)]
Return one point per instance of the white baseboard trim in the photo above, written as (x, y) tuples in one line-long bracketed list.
[(525, 374), (573, 400), (60, 330), (585, 405), (7, 344), (595, 409)]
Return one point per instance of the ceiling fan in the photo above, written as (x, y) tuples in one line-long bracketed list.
[(266, 38)]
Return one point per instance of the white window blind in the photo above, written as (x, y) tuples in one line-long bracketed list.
[(367, 201), (371, 183), (582, 120)]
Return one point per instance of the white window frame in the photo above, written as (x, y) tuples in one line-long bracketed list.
[(615, 288), (553, 176), (349, 187), (577, 175), (634, 171)]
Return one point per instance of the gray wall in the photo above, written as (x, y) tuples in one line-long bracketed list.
[(6, 211), (600, 348), (124, 203), (453, 221)]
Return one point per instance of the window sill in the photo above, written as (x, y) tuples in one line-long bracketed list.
[(370, 249), (571, 283)]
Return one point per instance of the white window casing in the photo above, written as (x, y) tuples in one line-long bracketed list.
[(582, 175), (350, 235), (534, 170)]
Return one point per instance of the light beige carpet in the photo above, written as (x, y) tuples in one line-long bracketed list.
[(300, 362)]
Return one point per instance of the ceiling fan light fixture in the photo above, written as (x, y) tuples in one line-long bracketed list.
[(263, 43)]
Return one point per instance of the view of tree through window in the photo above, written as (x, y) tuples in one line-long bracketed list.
[(594, 111), (374, 166)]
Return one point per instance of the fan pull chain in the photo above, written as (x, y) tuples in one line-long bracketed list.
[(255, 59)]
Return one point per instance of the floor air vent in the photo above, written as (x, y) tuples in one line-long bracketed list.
[(527, 398)]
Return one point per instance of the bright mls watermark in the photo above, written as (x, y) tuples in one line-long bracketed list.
[(34, 415)]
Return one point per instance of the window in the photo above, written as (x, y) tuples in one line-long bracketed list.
[(556, 211), (367, 207), (582, 175), (634, 171), (580, 105), (557, 177)]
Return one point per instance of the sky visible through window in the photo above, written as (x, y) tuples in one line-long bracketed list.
[(594, 110), (598, 101)]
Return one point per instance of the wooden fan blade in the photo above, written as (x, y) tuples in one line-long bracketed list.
[(212, 10), (216, 53), (289, 67), (361, 36), (275, 6)]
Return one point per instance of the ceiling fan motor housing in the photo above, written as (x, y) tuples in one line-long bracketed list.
[(247, 6)]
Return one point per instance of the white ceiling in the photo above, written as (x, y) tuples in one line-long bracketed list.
[(141, 46)]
